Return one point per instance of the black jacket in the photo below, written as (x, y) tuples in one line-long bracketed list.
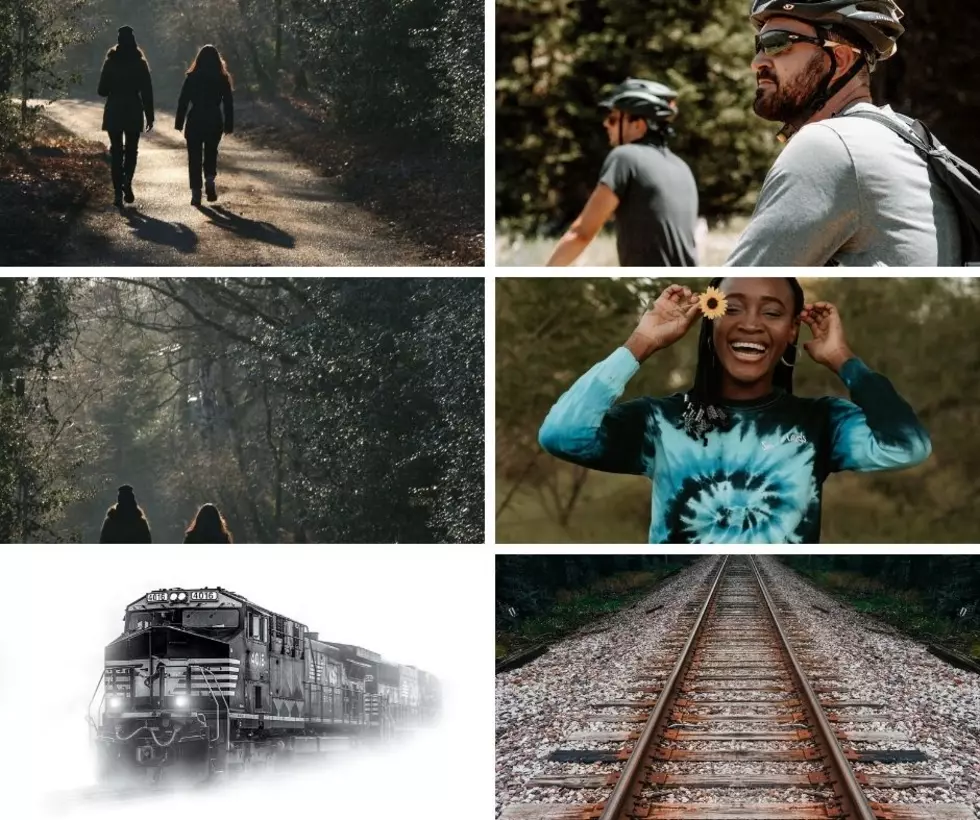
[(193, 537), (206, 96), (125, 527), (125, 82)]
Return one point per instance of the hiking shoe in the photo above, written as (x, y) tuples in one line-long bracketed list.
[(195, 196), (118, 201), (128, 192), (211, 190)]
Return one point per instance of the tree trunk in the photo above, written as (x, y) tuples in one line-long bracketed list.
[(24, 68), (278, 35)]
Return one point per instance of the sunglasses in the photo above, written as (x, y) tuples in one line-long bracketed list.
[(776, 41)]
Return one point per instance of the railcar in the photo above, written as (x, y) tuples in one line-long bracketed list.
[(203, 681)]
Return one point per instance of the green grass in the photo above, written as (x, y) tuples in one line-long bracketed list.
[(612, 509), (901, 609), (574, 609)]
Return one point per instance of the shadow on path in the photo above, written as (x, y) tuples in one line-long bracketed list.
[(247, 228), (175, 234)]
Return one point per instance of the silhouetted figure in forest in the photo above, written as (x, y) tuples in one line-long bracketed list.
[(208, 527), (125, 522), (125, 83), (207, 89)]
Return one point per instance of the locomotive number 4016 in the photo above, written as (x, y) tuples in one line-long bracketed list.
[(181, 597), (204, 595)]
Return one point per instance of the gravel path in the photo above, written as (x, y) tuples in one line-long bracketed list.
[(935, 706), (271, 210)]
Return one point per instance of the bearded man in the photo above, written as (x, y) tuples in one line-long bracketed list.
[(846, 190)]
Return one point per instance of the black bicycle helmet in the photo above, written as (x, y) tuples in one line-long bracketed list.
[(876, 22), (653, 101)]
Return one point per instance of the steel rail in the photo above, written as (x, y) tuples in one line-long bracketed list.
[(630, 778), (854, 804)]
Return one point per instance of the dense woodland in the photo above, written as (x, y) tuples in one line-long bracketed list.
[(529, 585), (415, 67), (920, 333), (555, 59), (947, 585), (308, 410), (928, 595)]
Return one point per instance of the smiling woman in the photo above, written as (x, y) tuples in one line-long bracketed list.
[(737, 458)]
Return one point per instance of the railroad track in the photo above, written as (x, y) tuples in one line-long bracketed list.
[(737, 717)]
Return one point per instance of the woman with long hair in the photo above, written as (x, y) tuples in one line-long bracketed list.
[(208, 527), (125, 83), (206, 91), (738, 458)]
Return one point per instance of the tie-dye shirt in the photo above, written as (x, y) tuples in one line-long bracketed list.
[(757, 483)]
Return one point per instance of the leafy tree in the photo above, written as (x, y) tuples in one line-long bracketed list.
[(33, 37), (316, 410), (34, 325)]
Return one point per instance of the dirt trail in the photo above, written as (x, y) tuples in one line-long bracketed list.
[(270, 211)]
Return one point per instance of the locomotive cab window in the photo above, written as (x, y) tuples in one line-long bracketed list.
[(258, 627), (136, 621), (211, 618)]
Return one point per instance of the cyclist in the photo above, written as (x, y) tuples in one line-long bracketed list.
[(846, 190), (649, 188)]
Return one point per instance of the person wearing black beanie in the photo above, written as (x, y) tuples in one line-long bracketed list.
[(126, 85), (125, 522)]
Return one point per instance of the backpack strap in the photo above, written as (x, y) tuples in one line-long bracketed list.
[(916, 134)]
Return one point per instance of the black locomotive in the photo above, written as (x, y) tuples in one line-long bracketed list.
[(204, 681)]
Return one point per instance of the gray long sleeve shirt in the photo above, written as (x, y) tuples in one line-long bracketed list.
[(847, 191)]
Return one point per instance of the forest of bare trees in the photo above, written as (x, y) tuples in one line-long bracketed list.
[(315, 410)]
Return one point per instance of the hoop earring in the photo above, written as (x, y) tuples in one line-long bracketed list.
[(783, 358)]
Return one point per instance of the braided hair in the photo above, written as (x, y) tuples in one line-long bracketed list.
[(703, 409)]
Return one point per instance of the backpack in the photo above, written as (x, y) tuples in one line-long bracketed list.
[(960, 178)]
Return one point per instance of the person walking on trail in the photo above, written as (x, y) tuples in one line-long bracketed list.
[(206, 91), (125, 522), (737, 458), (650, 189), (208, 527), (846, 190), (126, 85)]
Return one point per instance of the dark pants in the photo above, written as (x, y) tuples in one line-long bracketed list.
[(202, 150), (123, 157)]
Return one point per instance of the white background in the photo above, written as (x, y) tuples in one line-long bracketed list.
[(425, 606)]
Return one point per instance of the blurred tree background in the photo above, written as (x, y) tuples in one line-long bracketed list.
[(555, 58), (918, 332), (308, 410)]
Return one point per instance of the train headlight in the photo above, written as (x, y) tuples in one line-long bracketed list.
[(115, 702), (173, 596), (182, 596), (181, 701)]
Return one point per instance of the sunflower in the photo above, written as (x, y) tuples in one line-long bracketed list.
[(713, 303)]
